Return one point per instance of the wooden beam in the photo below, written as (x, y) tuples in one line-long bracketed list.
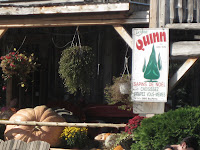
[(185, 48), (180, 73), (184, 26), (2, 32), (123, 33), (60, 9), (141, 17), (62, 124)]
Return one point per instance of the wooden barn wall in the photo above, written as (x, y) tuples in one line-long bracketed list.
[(45, 43)]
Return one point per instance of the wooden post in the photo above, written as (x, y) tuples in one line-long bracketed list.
[(190, 11), (172, 11), (162, 13), (9, 82), (198, 10), (154, 14), (8, 91)]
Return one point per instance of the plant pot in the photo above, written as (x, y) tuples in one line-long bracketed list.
[(125, 87), (126, 144)]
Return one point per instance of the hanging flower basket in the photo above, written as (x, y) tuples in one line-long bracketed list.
[(76, 68), (125, 87), (115, 95), (18, 65)]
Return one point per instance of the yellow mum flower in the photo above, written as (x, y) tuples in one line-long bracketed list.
[(22, 85)]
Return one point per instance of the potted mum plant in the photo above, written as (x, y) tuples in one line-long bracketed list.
[(18, 65), (74, 137), (119, 92)]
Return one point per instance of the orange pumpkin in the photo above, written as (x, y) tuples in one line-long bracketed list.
[(27, 134), (119, 147)]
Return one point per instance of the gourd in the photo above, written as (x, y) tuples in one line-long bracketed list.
[(119, 147), (27, 134)]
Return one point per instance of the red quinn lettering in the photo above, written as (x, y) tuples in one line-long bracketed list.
[(150, 39)]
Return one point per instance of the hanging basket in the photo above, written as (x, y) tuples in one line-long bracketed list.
[(125, 87)]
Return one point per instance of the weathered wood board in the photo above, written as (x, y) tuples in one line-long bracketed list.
[(20, 145), (24, 10), (74, 19), (185, 48)]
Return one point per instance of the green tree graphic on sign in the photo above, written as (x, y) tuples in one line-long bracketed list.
[(151, 71)]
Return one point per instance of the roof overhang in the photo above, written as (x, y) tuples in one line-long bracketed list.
[(21, 14), (25, 9)]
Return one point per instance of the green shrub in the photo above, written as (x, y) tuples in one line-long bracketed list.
[(168, 128)]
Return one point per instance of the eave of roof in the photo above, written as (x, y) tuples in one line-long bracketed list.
[(62, 8)]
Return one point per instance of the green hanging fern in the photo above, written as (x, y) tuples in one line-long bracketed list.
[(76, 68)]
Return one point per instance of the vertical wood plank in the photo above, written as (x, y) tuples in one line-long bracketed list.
[(198, 11), (23, 145), (162, 13), (1, 144), (172, 11), (184, 10), (9, 91), (30, 146), (154, 14), (190, 11), (180, 10), (16, 144)]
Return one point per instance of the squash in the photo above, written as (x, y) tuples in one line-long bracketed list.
[(27, 134), (119, 147), (102, 136)]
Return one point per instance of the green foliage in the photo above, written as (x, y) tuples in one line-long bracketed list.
[(74, 137), (168, 128), (76, 68), (114, 96)]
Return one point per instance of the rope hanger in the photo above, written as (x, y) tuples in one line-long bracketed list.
[(126, 64)]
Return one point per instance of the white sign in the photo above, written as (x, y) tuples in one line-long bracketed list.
[(150, 65)]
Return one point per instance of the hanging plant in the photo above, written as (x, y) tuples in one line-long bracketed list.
[(125, 85), (15, 64), (115, 96), (76, 68)]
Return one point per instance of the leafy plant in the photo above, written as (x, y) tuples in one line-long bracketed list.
[(76, 68), (168, 128), (114, 96), (18, 65), (74, 137)]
